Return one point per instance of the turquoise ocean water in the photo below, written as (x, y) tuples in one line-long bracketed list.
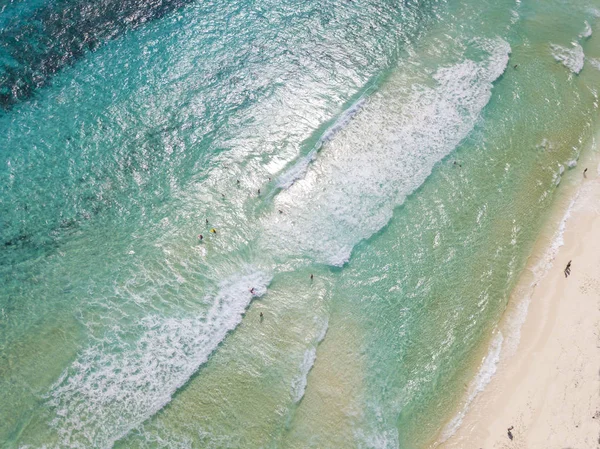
[(404, 153)]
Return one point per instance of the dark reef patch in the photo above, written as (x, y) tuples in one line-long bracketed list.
[(54, 36)]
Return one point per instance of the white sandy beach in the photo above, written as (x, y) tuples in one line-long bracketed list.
[(548, 388)]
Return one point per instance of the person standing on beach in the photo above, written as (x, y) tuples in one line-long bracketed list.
[(568, 269)]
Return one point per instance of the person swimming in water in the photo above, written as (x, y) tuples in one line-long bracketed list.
[(213, 230), (200, 237)]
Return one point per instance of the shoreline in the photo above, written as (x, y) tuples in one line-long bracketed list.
[(540, 369)]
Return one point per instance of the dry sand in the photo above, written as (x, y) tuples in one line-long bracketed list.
[(548, 385)]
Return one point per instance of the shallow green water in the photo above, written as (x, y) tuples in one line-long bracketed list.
[(406, 155)]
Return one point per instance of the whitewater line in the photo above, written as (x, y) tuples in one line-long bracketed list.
[(298, 170)]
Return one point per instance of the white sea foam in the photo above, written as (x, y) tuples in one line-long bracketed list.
[(323, 332), (594, 62), (501, 348), (516, 319), (484, 376), (587, 31), (380, 432), (310, 356), (546, 144), (300, 382), (298, 170), (572, 58), (386, 439), (384, 154), (545, 263), (102, 395), (594, 12), (557, 177)]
